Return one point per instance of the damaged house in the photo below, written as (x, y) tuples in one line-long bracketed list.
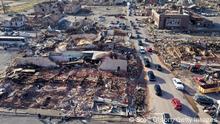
[(50, 12), (51, 19), (72, 8), (106, 2), (57, 7), (48, 7), (108, 61), (16, 21)]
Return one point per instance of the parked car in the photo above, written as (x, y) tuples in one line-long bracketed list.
[(101, 18), (151, 76), (140, 43), (137, 32), (176, 104), (158, 67), (112, 23), (120, 16), (203, 100), (141, 25), (135, 27), (158, 90), (146, 40), (147, 62), (149, 50), (178, 84), (122, 25), (142, 50), (167, 119)]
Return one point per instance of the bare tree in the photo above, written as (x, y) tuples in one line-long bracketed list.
[(3, 6)]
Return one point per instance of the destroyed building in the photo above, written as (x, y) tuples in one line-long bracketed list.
[(192, 55), (50, 12), (15, 22), (77, 91), (50, 20), (77, 83), (105, 2), (77, 72), (57, 7), (79, 26), (72, 8), (200, 21), (160, 2), (48, 7), (168, 19)]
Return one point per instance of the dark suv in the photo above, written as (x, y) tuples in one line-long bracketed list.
[(167, 119), (158, 67), (140, 43), (203, 100), (147, 62), (158, 90), (151, 76)]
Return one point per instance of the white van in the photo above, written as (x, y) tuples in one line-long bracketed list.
[(142, 50)]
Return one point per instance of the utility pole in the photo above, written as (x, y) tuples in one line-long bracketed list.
[(3, 6)]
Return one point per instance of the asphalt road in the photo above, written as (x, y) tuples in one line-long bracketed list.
[(159, 105)]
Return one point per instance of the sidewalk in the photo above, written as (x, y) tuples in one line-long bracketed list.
[(32, 111)]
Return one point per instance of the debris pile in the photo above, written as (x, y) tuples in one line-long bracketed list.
[(74, 86), (74, 65), (189, 51)]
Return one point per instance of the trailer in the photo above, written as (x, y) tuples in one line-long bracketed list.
[(209, 88), (204, 87)]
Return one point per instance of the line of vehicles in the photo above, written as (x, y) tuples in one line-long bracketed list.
[(209, 103), (176, 103), (166, 118), (177, 83)]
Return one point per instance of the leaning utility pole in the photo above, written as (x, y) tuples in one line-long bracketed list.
[(3, 6)]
